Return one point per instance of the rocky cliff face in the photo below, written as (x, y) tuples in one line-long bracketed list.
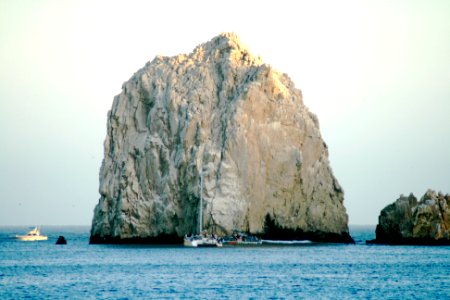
[(220, 112), (408, 221)]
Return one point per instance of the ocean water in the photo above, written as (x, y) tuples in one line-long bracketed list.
[(43, 270)]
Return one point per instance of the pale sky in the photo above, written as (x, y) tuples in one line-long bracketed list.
[(376, 73)]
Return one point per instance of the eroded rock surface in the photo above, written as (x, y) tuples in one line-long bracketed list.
[(409, 221), (220, 110)]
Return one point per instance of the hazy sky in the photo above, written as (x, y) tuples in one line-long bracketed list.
[(376, 73)]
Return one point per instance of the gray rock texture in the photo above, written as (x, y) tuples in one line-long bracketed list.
[(218, 111), (408, 221)]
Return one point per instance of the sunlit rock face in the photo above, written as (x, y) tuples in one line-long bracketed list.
[(409, 221), (220, 111)]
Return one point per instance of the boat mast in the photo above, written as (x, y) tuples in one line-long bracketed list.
[(200, 211)]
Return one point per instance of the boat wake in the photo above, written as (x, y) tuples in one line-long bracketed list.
[(279, 242)]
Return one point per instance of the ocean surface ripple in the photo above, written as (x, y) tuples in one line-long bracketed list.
[(43, 270)]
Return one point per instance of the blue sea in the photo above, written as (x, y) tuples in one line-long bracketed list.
[(43, 270)]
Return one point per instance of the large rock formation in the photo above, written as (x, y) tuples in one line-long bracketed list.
[(218, 111), (411, 222)]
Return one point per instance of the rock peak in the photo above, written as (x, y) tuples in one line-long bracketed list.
[(230, 36), (224, 40), (228, 45)]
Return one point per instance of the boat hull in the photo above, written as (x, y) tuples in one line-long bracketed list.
[(31, 238), (243, 243), (209, 245)]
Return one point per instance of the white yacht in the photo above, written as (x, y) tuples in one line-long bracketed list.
[(33, 235), (202, 239)]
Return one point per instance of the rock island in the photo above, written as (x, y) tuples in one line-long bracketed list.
[(218, 113)]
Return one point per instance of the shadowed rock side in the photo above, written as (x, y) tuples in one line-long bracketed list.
[(222, 111), (411, 222)]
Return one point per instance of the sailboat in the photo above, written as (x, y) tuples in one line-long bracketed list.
[(33, 235), (202, 239)]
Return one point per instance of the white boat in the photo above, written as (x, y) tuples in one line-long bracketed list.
[(203, 239), (33, 235)]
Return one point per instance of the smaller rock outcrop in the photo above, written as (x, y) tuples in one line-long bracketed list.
[(408, 221), (61, 240)]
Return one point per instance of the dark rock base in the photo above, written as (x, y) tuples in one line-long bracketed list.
[(272, 231), (283, 235), (164, 239)]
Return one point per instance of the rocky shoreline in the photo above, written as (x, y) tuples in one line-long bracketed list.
[(272, 232)]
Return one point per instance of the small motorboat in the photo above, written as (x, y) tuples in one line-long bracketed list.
[(33, 235)]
